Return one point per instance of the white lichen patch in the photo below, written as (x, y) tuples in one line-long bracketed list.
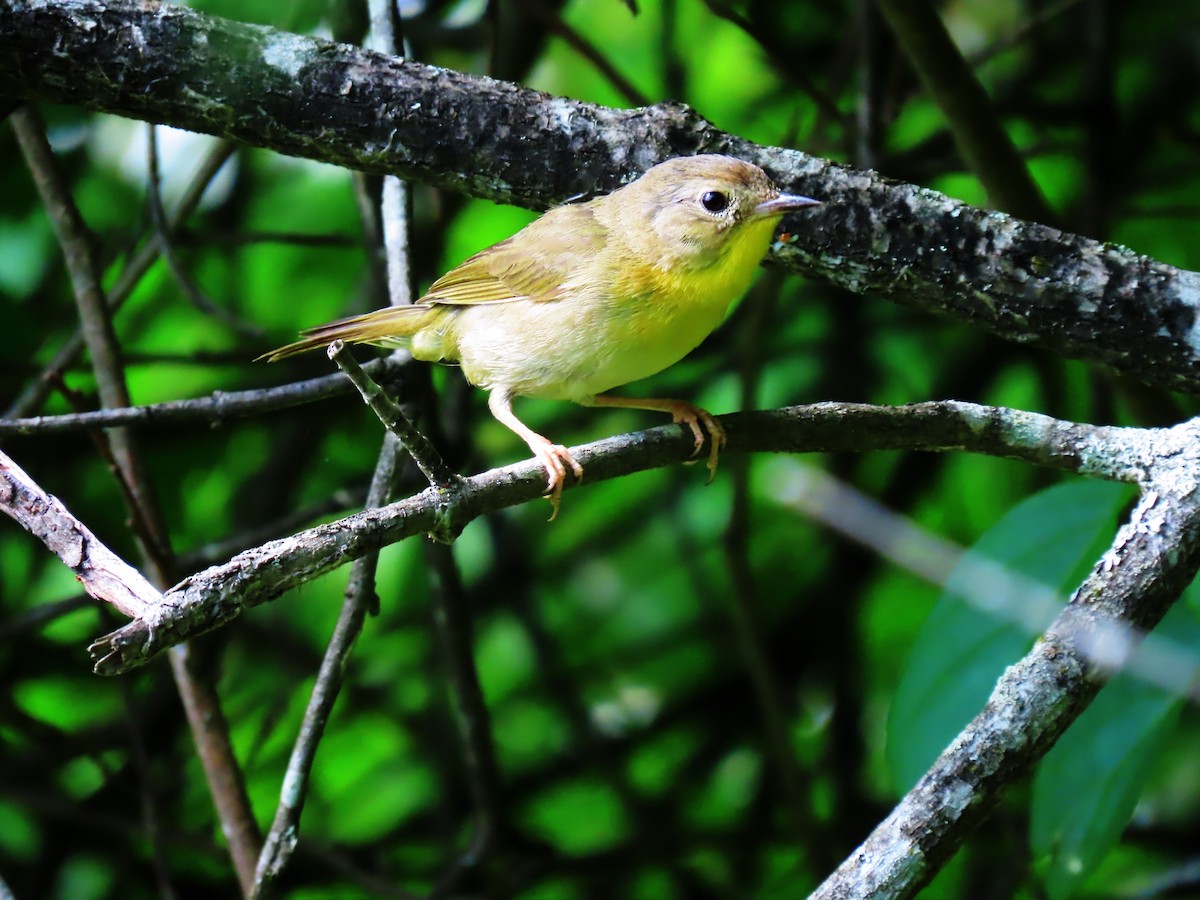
[(1188, 295), (285, 53), (561, 113)]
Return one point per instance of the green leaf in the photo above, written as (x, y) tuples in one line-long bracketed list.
[(1086, 788), (1053, 538), (578, 817)]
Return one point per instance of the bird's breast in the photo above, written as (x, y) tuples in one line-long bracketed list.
[(600, 333)]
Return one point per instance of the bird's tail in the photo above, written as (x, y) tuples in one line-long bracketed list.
[(391, 327)]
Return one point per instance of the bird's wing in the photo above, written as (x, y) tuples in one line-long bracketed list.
[(533, 264)]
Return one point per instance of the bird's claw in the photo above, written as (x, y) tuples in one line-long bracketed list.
[(692, 417), (555, 458)]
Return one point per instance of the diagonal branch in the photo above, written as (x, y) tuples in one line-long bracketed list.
[(101, 572), (219, 594), (978, 133), (1154, 557), (196, 691), (419, 447), (352, 107)]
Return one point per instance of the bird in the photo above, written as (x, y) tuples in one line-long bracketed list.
[(592, 296)]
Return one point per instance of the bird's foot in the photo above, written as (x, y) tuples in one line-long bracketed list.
[(556, 458), (693, 417)]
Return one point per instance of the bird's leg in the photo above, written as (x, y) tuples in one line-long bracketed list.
[(682, 412), (554, 457)]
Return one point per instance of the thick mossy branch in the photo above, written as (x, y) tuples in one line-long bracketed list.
[(488, 138)]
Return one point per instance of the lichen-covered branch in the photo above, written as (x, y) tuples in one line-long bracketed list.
[(1154, 557), (375, 113), (219, 594), (102, 573)]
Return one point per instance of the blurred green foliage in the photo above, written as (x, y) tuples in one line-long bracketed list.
[(629, 735)]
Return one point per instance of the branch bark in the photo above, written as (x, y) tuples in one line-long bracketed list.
[(210, 411), (1155, 556), (219, 594), (102, 573), (375, 113)]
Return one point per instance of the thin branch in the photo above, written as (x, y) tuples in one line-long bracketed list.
[(1036, 19), (984, 144), (75, 242), (162, 233), (783, 57), (144, 531), (210, 733), (216, 551), (742, 611), (99, 335), (553, 22), (452, 623), (212, 598), (43, 614), (360, 599), (151, 828), (33, 396), (419, 447), (209, 729), (212, 410)]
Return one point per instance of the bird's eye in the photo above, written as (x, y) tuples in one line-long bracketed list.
[(714, 201)]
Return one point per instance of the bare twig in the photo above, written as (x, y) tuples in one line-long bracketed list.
[(144, 531), (742, 611), (210, 733), (209, 411), (207, 554), (43, 614), (149, 808), (553, 22), (281, 840), (201, 705), (165, 240), (452, 622), (1036, 19), (783, 57), (424, 454), (360, 597), (984, 144)]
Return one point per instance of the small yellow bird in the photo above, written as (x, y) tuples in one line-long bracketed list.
[(592, 296)]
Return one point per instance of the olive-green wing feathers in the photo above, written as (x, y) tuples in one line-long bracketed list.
[(531, 265)]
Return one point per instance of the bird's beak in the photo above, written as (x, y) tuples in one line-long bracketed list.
[(784, 203)]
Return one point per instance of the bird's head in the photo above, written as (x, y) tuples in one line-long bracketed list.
[(699, 211)]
